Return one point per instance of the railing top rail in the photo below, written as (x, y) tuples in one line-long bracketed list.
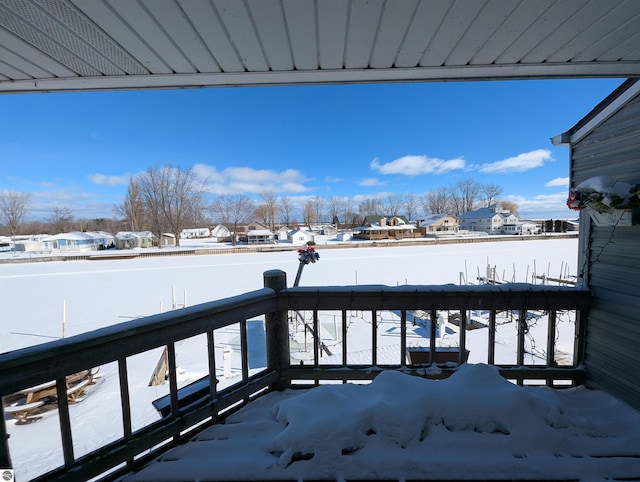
[(441, 297), (31, 366), (37, 364)]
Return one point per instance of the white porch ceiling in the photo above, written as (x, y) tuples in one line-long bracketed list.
[(63, 45)]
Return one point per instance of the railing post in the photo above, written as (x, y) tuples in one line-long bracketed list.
[(277, 327), (5, 456)]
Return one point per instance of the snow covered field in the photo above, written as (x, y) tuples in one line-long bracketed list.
[(38, 297)]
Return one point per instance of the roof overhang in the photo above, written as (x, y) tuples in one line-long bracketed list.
[(605, 109), (75, 45)]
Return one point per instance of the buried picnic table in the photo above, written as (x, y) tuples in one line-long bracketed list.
[(26, 403)]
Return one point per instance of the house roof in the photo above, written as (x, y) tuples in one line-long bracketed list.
[(134, 234), (83, 235), (304, 232), (434, 218), (378, 219), (605, 109), (487, 212), (69, 45), (220, 229)]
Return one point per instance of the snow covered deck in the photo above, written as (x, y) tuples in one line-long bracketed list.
[(351, 340), (474, 425)]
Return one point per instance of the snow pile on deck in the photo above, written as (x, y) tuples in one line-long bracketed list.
[(474, 424), (404, 409)]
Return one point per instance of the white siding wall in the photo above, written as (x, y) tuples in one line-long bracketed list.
[(610, 259)]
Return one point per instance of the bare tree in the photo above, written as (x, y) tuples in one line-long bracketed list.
[(370, 207), (270, 208), (309, 213), (490, 193), (510, 206), (285, 206), (335, 206), (133, 207), (233, 210), (261, 214), (463, 196), (393, 204), (410, 205), (436, 202), (172, 197), (349, 214), (152, 187), (318, 206), (60, 219), (14, 206)]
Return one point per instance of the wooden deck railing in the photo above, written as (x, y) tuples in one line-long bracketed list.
[(188, 408)]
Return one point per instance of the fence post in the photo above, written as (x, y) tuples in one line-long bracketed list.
[(277, 327)]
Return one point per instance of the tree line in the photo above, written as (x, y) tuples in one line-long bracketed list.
[(170, 199)]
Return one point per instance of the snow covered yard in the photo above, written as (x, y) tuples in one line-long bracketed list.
[(37, 297)]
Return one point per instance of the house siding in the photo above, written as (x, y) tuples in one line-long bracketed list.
[(609, 259)]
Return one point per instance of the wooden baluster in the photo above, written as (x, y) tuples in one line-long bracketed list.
[(374, 338), (125, 403), (244, 350), (65, 422), (491, 358)]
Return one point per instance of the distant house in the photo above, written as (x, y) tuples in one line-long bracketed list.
[(283, 233), (29, 245), (522, 227), (488, 220), (195, 233), (220, 234), (344, 236), (79, 241), (325, 229), (242, 230), (300, 236), (371, 231), (134, 239), (381, 227), (167, 239), (260, 236), (437, 225)]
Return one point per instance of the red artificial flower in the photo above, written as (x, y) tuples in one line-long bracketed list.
[(574, 202)]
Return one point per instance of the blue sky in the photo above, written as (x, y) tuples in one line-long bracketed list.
[(78, 150)]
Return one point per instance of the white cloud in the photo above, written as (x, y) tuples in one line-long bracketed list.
[(520, 163), (246, 180), (417, 165), (209, 173), (543, 206), (104, 180), (371, 181), (331, 179), (558, 182), (358, 198)]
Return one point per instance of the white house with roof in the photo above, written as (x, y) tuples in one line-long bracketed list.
[(283, 233), (134, 239), (221, 234), (260, 236), (489, 220), (193, 233), (521, 227), (381, 227), (80, 241), (300, 237), (437, 225)]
